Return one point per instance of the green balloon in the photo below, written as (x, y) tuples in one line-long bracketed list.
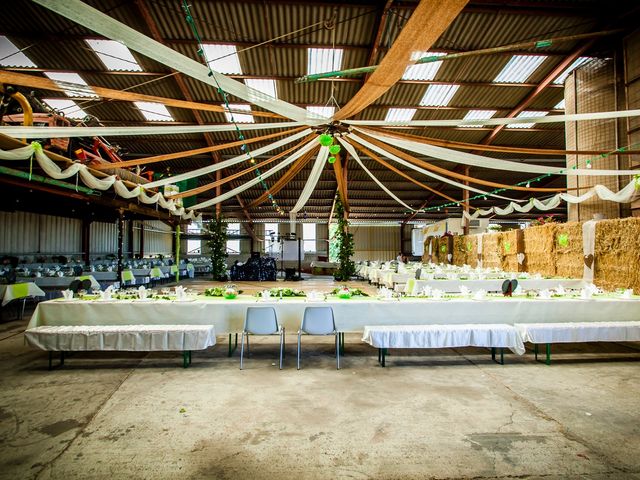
[(332, 159), (325, 139), (334, 149)]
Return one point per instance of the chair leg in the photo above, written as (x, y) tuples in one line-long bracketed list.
[(281, 347), (299, 345), (241, 349), (248, 350), (337, 351)]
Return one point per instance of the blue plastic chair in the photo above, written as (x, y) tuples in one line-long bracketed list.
[(261, 321), (319, 321)]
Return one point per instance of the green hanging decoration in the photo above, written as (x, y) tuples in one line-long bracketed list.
[(334, 149), (332, 159), (216, 235), (325, 140), (563, 240)]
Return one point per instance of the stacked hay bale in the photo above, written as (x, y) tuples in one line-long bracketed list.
[(568, 250), (539, 249), (492, 250), (509, 240), (617, 254), (459, 250), (471, 248)]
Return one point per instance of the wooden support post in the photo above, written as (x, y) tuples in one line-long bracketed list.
[(120, 241), (86, 242)]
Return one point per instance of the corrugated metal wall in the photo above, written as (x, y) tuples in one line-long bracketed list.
[(24, 233), (103, 238), (158, 238), (376, 242)]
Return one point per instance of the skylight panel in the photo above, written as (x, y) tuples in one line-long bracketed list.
[(263, 85), (400, 114), (563, 76), (11, 56), (321, 60), (560, 105), (326, 112), (527, 113), (438, 95), (68, 107), (154, 111), (223, 58), (114, 55), (478, 115), (423, 71), (80, 88), (239, 117), (519, 68)]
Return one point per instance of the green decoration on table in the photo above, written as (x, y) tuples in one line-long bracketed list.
[(284, 292), (334, 149), (221, 292), (507, 247), (332, 159), (354, 292), (217, 243), (563, 240), (325, 140)]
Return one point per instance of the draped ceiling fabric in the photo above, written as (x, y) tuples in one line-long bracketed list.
[(427, 23)]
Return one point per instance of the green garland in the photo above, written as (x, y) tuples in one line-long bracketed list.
[(284, 292), (344, 241), (217, 244), (218, 291), (354, 292)]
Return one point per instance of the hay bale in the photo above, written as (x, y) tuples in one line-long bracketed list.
[(539, 248), (617, 254), (492, 250), (459, 250), (569, 252), (509, 241), (471, 249)]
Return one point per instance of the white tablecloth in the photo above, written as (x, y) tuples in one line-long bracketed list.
[(579, 332), (350, 315), (9, 292), (444, 336), (134, 338), (496, 285)]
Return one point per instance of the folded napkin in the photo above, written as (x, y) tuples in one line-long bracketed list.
[(628, 293), (67, 294), (480, 295), (544, 294), (464, 290)]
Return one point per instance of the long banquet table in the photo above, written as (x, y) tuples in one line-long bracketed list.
[(351, 315), (495, 285)]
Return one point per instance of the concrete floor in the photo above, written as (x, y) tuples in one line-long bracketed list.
[(429, 414)]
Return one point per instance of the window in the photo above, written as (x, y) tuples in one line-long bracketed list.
[(438, 95), (309, 237), (560, 105), (11, 56), (233, 244), (271, 238), (423, 71), (477, 115), (154, 111), (563, 76), (400, 114), (321, 60), (80, 88), (68, 107), (238, 117), (194, 247), (526, 114), (519, 68), (264, 85), (223, 58), (114, 55)]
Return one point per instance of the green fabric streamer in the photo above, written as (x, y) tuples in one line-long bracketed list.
[(19, 290)]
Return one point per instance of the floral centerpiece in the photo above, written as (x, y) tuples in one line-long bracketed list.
[(228, 291), (344, 292), (284, 292), (353, 292)]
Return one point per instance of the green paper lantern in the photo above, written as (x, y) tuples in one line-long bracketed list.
[(507, 247), (325, 139), (334, 149), (563, 240), (332, 159)]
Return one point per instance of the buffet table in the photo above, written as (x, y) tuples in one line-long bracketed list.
[(351, 315)]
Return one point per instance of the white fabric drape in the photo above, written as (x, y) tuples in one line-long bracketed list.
[(626, 195), (103, 24), (64, 132), (391, 156), (354, 154), (574, 117), (312, 181), (54, 171), (227, 163), (464, 158), (255, 181)]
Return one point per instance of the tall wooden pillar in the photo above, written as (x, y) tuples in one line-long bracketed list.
[(120, 223)]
